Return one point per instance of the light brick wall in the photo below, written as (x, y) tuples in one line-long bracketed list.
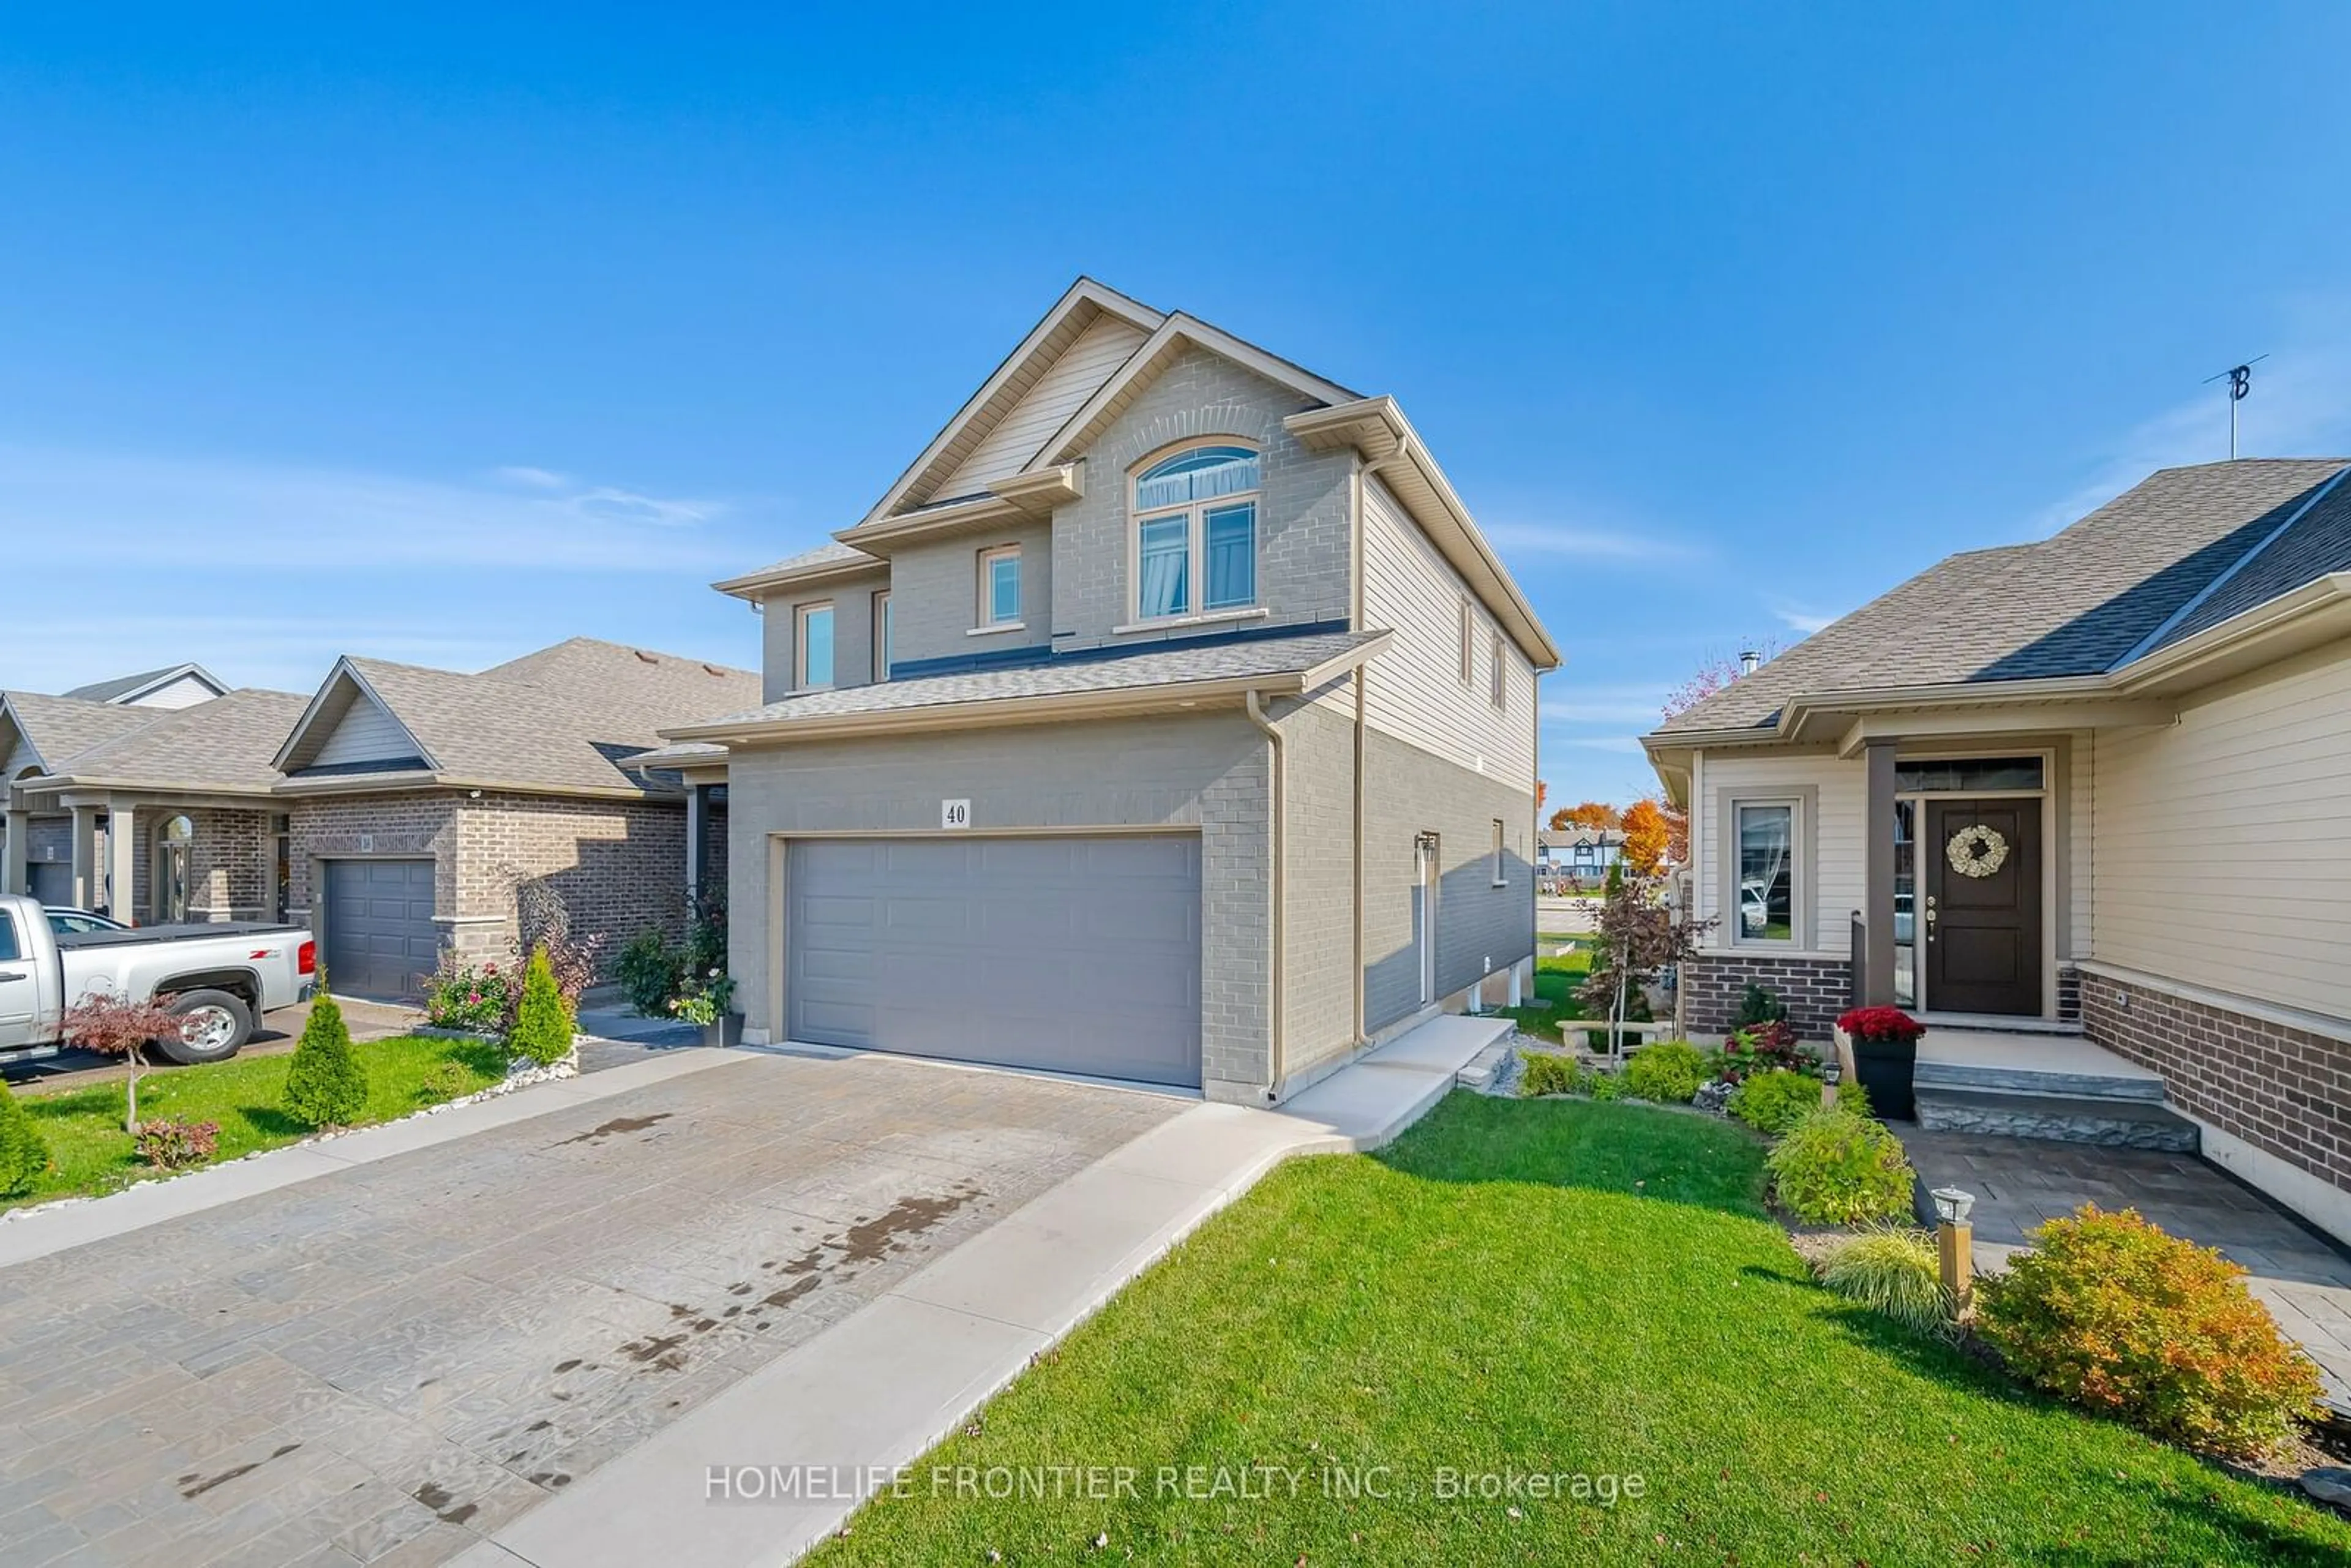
[(1319, 998), (1480, 928), (853, 632), (2286, 1090), (934, 594), (1818, 991), (619, 866), (1304, 522), (417, 826)]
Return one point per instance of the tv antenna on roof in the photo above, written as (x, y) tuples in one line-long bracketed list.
[(2240, 381)]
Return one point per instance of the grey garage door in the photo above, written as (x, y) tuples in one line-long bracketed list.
[(1077, 955), (380, 936), (51, 881)]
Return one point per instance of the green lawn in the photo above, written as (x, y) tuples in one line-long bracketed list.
[(91, 1153), (1553, 1288), (1555, 982)]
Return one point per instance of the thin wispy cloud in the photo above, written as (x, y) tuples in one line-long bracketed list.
[(1801, 621), (1554, 541), (1624, 744), (204, 515), (1576, 705)]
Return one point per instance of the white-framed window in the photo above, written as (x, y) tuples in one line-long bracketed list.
[(1764, 842), (1501, 849), (882, 635), (1469, 638), (1496, 688), (1195, 533), (814, 637), (999, 587)]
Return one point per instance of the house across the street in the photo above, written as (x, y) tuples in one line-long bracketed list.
[(2097, 785), (1578, 854), (400, 811), (1168, 718)]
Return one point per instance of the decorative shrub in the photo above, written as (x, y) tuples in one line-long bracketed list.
[(325, 1085), (543, 924), (1637, 1011), (1758, 1005), (1549, 1074), (2110, 1312), (171, 1143), (542, 1028), (705, 1000), (1606, 1086), (1773, 1101), (1765, 1048), (706, 938), (24, 1152), (1893, 1269), (1891, 1024), (1835, 1167), (446, 1082), (1668, 1072), (650, 971), (117, 1026), (462, 996)]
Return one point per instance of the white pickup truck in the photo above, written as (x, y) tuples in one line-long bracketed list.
[(218, 977)]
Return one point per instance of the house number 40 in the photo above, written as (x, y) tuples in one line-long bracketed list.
[(955, 813)]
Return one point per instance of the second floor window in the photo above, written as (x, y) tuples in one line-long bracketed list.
[(999, 586), (1195, 533), (882, 635), (816, 645)]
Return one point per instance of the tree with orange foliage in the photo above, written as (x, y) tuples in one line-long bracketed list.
[(1649, 837), (1591, 814)]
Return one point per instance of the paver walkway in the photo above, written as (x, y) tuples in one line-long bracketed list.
[(2021, 1182), (389, 1363)]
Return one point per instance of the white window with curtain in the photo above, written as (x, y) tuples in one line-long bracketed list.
[(1195, 534), (1764, 840)]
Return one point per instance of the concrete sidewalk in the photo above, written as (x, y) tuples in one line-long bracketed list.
[(882, 1386)]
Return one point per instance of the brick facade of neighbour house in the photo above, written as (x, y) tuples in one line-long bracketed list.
[(617, 865), (2285, 1091), (1818, 991), (229, 862)]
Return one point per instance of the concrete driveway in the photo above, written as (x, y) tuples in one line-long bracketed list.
[(387, 1363)]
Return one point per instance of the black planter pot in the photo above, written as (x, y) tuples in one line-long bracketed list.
[(726, 1030), (1888, 1070)]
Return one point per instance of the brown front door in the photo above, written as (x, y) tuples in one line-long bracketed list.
[(1983, 924)]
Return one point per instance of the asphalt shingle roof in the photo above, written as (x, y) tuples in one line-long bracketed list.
[(662, 685), (823, 555), (61, 727), (107, 691), (1178, 665), (2072, 604), (225, 743)]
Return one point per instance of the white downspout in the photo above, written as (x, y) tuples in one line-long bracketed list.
[(1277, 768)]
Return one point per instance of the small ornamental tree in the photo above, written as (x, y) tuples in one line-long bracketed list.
[(326, 1086), (24, 1152), (1639, 934), (118, 1025), (542, 1026)]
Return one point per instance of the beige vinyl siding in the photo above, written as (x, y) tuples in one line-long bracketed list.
[(1059, 393), (2224, 843), (1415, 690), (366, 733), (1829, 847), (22, 757), (2080, 826), (186, 692)]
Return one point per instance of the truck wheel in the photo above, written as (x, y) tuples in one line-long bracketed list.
[(213, 1025)]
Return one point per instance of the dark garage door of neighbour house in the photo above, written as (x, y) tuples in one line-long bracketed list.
[(51, 881), (1074, 955), (380, 940)]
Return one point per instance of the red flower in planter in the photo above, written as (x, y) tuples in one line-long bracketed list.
[(1881, 1024)]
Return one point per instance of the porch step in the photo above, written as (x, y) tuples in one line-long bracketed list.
[(2060, 1083), (2135, 1123)]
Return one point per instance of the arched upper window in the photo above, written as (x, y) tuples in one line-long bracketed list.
[(1195, 533)]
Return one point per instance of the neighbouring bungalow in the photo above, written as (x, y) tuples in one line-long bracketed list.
[(2070, 802)]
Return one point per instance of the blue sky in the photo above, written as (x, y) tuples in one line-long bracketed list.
[(474, 329)]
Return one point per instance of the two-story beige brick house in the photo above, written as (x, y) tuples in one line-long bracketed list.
[(1167, 719)]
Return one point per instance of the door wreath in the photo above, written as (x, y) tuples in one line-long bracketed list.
[(1976, 852)]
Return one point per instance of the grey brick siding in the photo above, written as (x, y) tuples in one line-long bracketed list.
[(934, 594), (1318, 995), (1208, 772), (853, 632), (1818, 991), (1480, 928), (1304, 524), (2286, 1090)]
